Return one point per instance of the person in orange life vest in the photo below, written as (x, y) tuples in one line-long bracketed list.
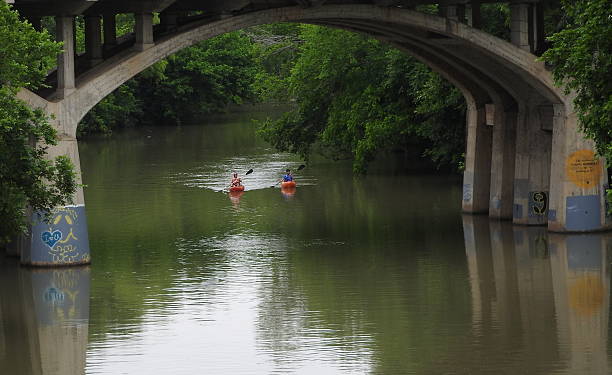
[(236, 181)]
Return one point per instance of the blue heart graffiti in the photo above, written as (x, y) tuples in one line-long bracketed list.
[(51, 238)]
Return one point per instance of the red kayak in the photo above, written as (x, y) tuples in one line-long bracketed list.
[(288, 184), (237, 188)]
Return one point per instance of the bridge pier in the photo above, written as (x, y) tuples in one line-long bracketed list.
[(109, 25), (143, 31), (62, 239), (532, 169), (579, 179), (477, 174), (502, 161), (93, 40), (65, 61)]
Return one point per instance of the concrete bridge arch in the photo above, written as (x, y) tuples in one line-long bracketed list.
[(521, 128)]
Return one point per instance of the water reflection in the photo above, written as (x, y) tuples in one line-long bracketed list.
[(542, 297), (288, 192), (234, 197), (582, 299), (44, 316)]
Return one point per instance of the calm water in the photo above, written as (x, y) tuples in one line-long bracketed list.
[(381, 275)]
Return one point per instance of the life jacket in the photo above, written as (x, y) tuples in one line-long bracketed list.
[(287, 178)]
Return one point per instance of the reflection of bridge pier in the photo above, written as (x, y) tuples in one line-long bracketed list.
[(511, 286), (554, 288), (535, 289), (507, 308), (44, 320), (581, 280)]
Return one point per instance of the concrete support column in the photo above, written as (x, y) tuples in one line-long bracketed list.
[(532, 169), (578, 179), (502, 162), (65, 60), (93, 40), (143, 31), (519, 25), (538, 36), (62, 239), (110, 32), (168, 20), (472, 14), (456, 12), (477, 174)]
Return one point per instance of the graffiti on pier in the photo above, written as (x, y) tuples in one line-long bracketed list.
[(583, 168), (538, 203), (60, 235), (51, 238), (467, 192)]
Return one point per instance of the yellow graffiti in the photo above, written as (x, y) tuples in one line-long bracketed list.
[(583, 168), (586, 295), (68, 237), (65, 279), (64, 254)]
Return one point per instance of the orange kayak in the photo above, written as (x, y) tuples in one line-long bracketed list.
[(288, 184), (237, 188)]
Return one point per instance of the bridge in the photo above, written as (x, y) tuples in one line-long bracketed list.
[(526, 159)]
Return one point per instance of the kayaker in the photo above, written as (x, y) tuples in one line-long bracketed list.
[(236, 181), (287, 177)]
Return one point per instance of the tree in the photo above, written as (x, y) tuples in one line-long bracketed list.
[(581, 59), (196, 81), (27, 178), (357, 97)]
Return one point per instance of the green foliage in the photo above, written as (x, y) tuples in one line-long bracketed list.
[(581, 59), (276, 53), (120, 109), (25, 55), (27, 178), (196, 81), (204, 78), (357, 97), (496, 20)]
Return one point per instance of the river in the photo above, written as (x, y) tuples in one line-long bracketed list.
[(343, 275)]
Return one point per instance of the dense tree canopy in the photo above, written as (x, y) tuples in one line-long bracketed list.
[(199, 80), (581, 57), (357, 97), (26, 177)]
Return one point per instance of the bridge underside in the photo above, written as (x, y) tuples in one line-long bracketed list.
[(526, 161)]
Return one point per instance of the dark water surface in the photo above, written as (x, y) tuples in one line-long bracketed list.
[(380, 275)]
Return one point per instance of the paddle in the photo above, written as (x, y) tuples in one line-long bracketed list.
[(302, 166)]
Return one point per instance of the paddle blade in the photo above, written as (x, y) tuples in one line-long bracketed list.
[(248, 172), (302, 166)]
